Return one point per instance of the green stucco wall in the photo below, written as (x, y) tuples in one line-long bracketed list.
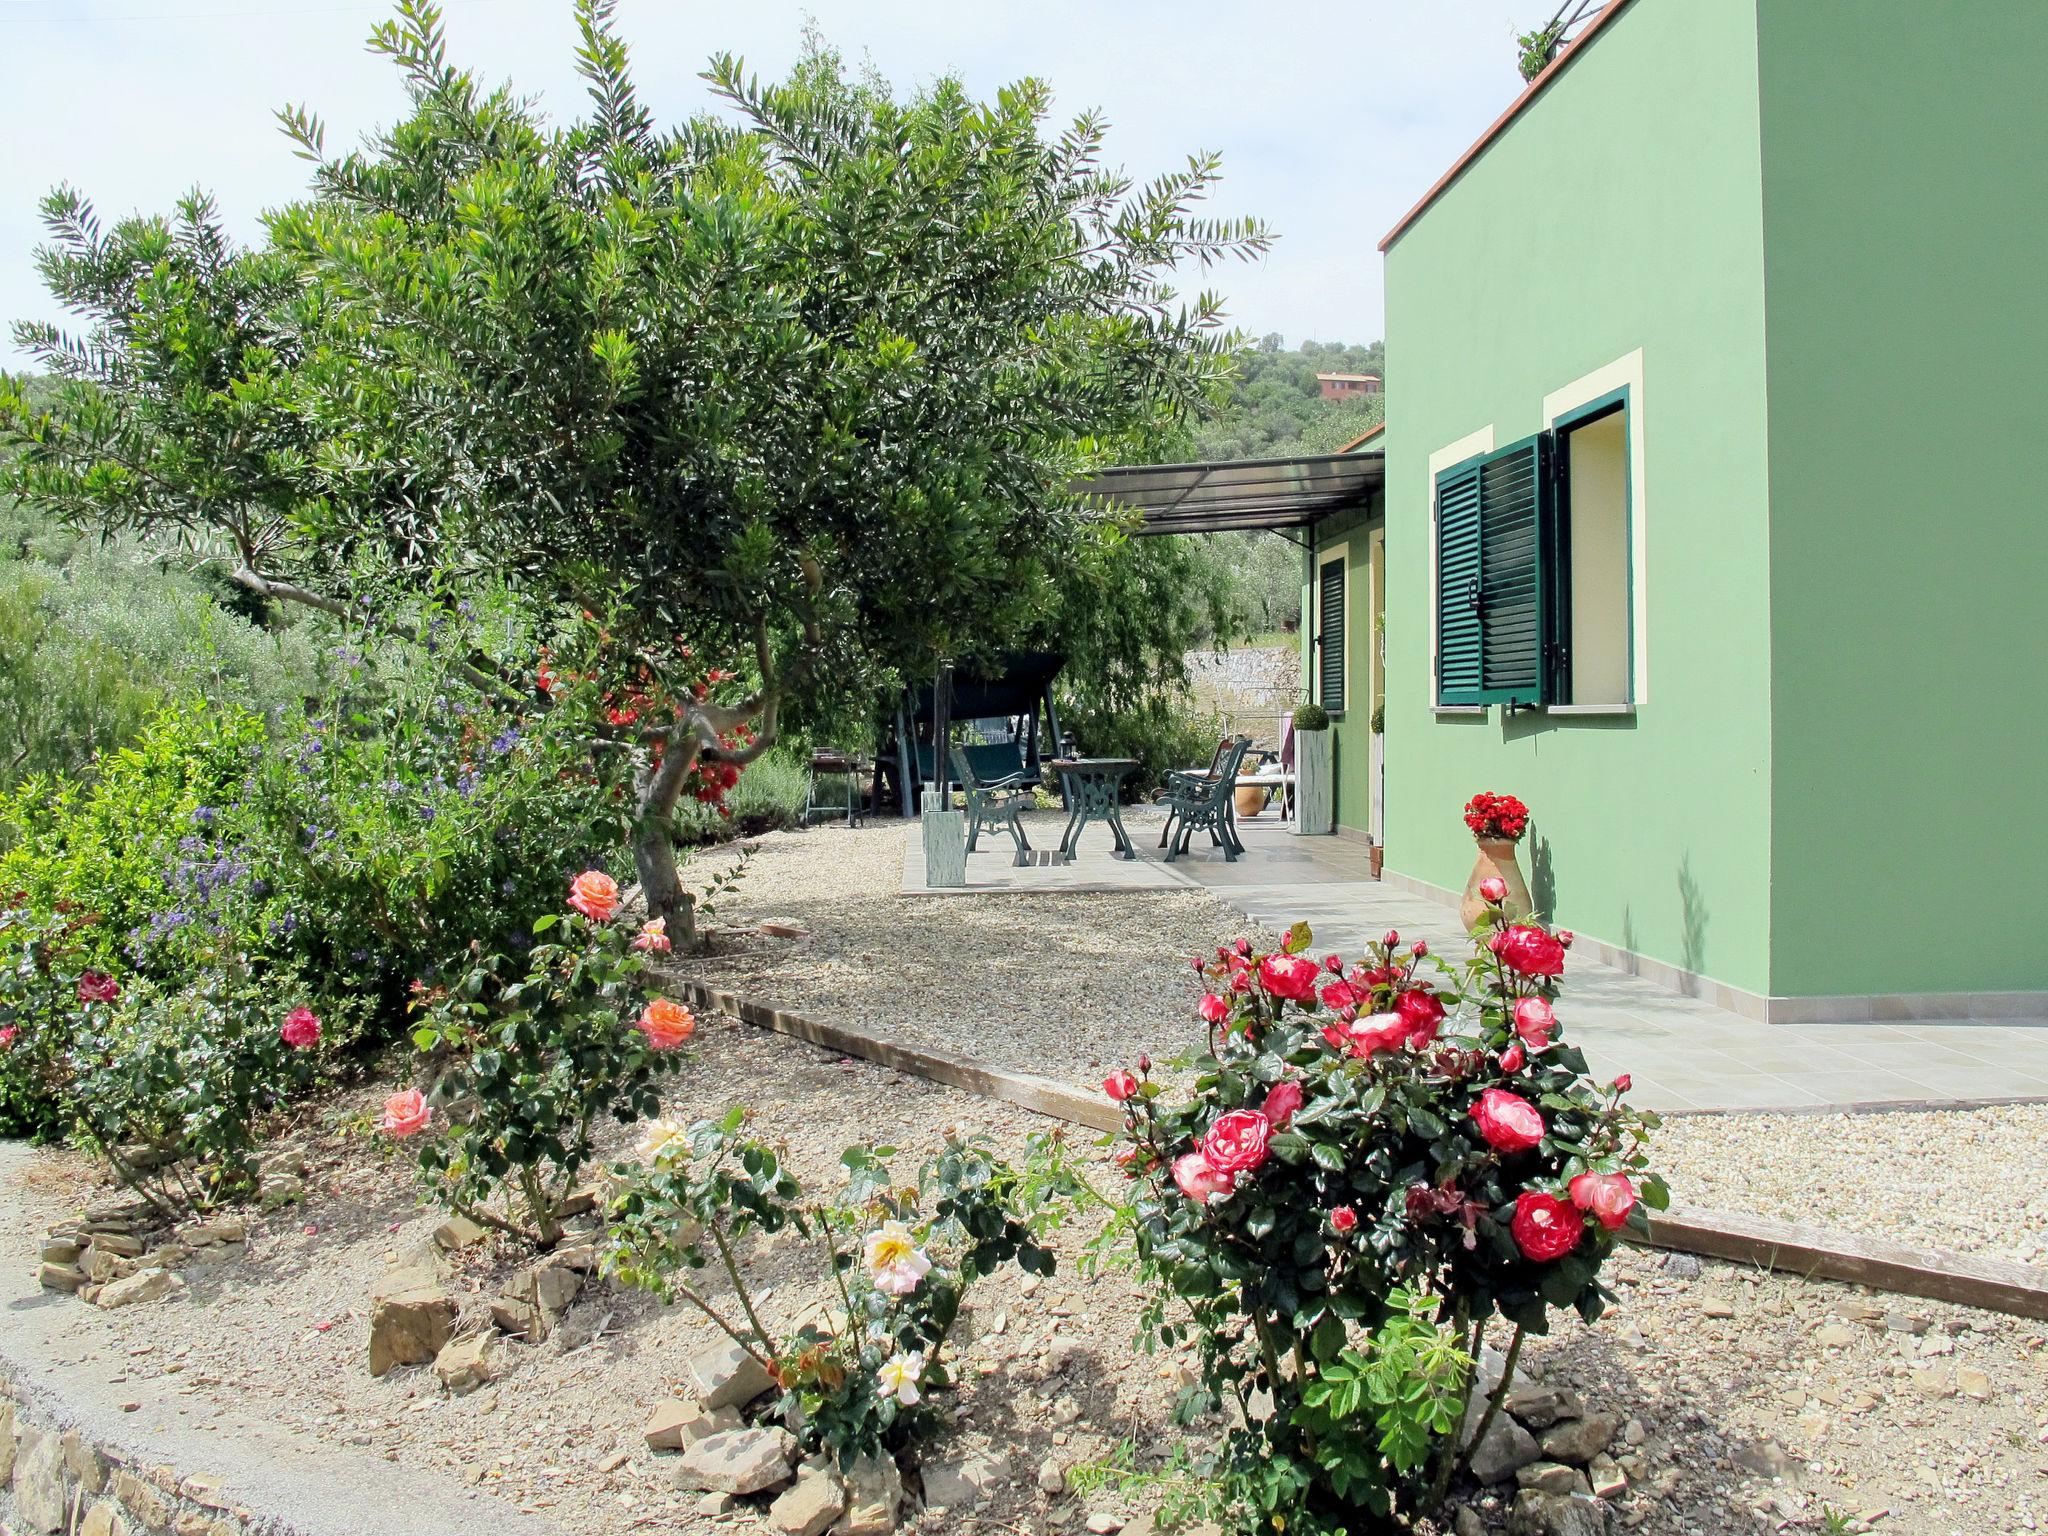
[(1905, 219), (1621, 211)]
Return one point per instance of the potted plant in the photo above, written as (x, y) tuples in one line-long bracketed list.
[(1497, 823), (1315, 789)]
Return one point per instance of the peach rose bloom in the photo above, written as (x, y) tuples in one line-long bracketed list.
[(595, 894), (405, 1112), (666, 1025), (653, 936)]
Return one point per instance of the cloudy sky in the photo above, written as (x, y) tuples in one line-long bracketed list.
[(1332, 117)]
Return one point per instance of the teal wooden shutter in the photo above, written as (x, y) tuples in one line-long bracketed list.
[(1330, 634), (1458, 672), (1493, 533)]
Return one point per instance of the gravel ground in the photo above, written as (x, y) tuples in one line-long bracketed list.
[(1069, 986), (1065, 985), (1935, 1415)]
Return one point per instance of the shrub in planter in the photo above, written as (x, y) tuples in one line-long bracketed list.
[(856, 1381), (529, 1052), (170, 1085), (1311, 717), (1375, 1160)]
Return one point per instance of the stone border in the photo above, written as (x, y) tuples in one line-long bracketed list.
[(1995, 1285)]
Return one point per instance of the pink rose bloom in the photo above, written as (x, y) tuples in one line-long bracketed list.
[(595, 894), (1509, 1122), (1344, 1219), (7, 1037), (1119, 1086), (1198, 1181), (1236, 1143), (1213, 1009), (1282, 1101), (1493, 889), (1380, 1032), (1532, 952), (405, 1112), (1534, 1021), (1423, 1010), (1512, 1058), (1290, 976), (1241, 982), (1608, 1196), (97, 987), (301, 1029), (653, 936)]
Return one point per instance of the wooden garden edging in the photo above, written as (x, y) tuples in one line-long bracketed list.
[(1821, 1253)]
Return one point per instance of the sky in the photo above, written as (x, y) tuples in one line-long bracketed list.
[(1332, 117)]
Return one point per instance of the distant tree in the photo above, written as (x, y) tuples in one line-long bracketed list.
[(805, 383)]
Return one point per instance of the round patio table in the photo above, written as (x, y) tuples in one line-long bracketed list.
[(1092, 785)]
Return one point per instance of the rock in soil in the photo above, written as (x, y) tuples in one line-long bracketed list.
[(1506, 1449), (728, 1377), (1578, 1441), (147, 1285), (740, 1461), (409, 1326), (874, 1492), (957, 1484), (1552, 1514), (534, 1300), (675, 1424), (466, 1364), (810, 1504)]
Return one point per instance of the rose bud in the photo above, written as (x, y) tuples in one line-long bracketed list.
[(1198, 963), (1119, 1086), (1419, 948), (1564, 937), (1392, 940), (1244, 946), (1623, 1083), (1512, 1058), (1144, 1062), (1343, 1219), (1493, 889), (1334, 964)]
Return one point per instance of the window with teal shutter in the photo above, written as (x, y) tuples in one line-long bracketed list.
[(1330, 618), (1493, 529)]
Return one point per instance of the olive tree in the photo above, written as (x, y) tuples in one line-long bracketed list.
[(804, 380)]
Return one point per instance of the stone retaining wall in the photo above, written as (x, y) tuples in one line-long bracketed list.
[(62, 1482)]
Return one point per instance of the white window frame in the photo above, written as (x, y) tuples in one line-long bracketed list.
[(1623, 371)]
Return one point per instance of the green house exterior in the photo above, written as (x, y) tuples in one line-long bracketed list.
[(1757, 285)]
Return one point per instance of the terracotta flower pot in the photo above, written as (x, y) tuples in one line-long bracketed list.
[(1496, 857), (1251, 799)]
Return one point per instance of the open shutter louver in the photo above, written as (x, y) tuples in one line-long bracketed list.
[(1457, 564), (1330, 634), (1492, 533)]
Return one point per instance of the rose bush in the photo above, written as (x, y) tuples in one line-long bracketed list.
[(528, 1054), (1365, 1173), (856, 1379)]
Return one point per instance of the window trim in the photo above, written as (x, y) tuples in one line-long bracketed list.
[(1328, 554), (1615, 401)]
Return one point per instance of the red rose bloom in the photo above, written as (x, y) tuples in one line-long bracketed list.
[(1544, 1227), (1421, 1010), (1213, 1009), (1343, 1219), (1509, 1122), (1608, 1197), (1236, 1143), (1339, 995), (1381, 1032), (1532, 952), (1290, 976), (1119, 1086), (97, 987), (1281, 1103)]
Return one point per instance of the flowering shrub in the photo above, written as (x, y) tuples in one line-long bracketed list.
[(531, 1053), (42, 986), (170, 1086), (902, 1258), (1496, 818), (1374, 1160)]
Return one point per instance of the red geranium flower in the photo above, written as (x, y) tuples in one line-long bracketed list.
[(1496, 817)]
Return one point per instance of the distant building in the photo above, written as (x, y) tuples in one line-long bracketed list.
[(1348, 386)]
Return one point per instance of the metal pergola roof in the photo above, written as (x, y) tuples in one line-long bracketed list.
[(1240, 494)]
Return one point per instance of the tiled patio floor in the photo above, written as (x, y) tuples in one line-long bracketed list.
[(1682, 1053)]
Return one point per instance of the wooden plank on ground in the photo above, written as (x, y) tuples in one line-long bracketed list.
[(1817, 1253), (1826, 1253), (1042, 1094)]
